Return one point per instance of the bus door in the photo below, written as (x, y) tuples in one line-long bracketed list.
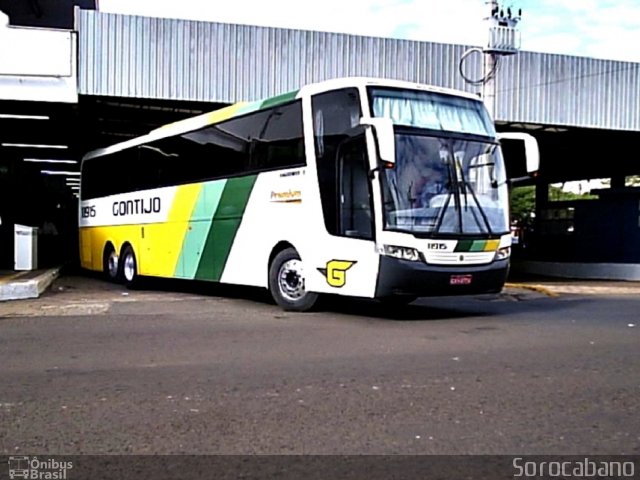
[(343, 258), (355, 215)]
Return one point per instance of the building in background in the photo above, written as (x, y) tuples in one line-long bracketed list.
[(88, 79)]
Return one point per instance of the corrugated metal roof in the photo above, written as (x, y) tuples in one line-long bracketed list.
[(144, 57), (569, 91), (130, 56)]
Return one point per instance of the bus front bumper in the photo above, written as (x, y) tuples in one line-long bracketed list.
[(403, 277)]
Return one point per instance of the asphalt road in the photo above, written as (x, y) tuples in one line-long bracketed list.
[(91, 368)]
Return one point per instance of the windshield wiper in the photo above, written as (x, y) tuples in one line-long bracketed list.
[(452, 187), (443, 210), (468, 186)]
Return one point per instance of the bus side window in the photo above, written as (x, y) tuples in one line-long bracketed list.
[(279, 144), (110, 174)]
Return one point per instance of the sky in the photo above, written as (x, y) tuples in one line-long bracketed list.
[(593, 28)]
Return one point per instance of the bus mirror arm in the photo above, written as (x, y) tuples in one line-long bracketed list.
[(514, 182), (382, 166)]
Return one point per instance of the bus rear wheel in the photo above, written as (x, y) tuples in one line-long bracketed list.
[(129, 268), (286, 282), (110, 264)]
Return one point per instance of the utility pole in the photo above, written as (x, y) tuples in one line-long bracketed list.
[(503, 39), (490, 63)]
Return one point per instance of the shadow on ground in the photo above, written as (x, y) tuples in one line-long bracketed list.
[(424, 309)]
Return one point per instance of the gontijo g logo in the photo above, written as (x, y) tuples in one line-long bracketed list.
[(336, 272), (32, 468)]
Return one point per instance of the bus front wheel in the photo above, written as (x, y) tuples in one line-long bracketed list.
[(286, 282), (129, 267)]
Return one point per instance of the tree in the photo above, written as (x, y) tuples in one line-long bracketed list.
[(633, 181), (523, 204), (523, 201)]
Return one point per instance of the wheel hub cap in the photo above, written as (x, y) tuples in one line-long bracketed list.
[(113, 265), (291, 280), (129, 267)]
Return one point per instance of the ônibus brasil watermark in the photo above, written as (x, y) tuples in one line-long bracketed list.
[(33, 468), (583, 468)]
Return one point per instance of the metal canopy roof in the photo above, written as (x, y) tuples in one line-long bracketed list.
[(155, 58)]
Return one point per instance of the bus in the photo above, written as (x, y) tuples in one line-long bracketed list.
[(355, 186)]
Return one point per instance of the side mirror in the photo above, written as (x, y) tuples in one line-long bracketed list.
[(531, 149), (385, 139)]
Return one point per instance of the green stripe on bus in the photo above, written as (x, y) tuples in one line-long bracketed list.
[(284, 98), (261, 104), (199, 226), (224, 227), (478, 246), (463, 245), (247, 108)]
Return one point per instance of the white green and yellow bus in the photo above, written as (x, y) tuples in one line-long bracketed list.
[(360, 187)]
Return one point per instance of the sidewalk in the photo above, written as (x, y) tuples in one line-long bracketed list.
[(553, 286), (22, 285)]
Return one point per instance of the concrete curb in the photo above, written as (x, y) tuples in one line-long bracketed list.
[(31, 288), (535, 288), (583, 271)]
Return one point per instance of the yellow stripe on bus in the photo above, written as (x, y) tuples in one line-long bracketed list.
[(492, 245), (157, 246), (94, 240), (162, 242), (203, 120)]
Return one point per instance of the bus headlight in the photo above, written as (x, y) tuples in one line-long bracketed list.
[(403, 253), (502, 253)]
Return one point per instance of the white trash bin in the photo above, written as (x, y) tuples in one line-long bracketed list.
[(25, 247)]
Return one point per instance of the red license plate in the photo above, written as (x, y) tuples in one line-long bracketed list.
[(460, 279)]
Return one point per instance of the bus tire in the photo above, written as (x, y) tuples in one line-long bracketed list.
[(110, 264), (129, 268), (286, 282)]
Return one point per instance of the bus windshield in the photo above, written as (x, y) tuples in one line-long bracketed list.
[(449, 177)]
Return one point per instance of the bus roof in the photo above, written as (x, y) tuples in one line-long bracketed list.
[(242, 108), (345, 82)]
